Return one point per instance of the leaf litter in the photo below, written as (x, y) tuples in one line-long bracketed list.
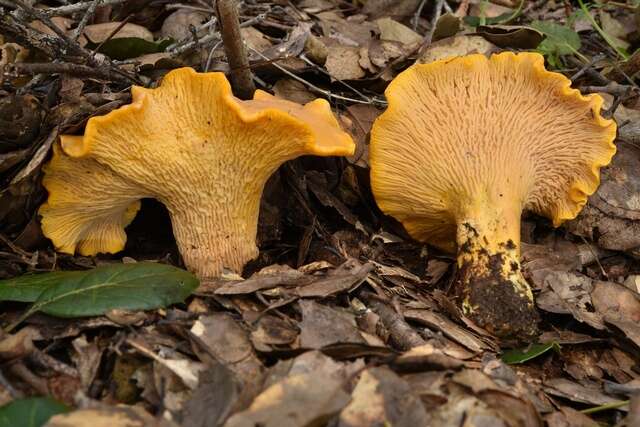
[(342, 320)]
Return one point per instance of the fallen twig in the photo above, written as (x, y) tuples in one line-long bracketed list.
[(70, 9), (71, 69), (403, 335), (239, 70), (85, 19)]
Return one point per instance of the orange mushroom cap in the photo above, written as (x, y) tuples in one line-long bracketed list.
[(192, 145), (467, 143)]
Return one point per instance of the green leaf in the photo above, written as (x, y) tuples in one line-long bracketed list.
[(28, 288), (130, 47), (514, 356), (31, 412), (139, 286), (561, 40)]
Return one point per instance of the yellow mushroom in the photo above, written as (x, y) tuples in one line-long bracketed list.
[(192, 145), (465, 146)]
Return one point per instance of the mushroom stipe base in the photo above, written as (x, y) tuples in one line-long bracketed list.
[(493, 292)]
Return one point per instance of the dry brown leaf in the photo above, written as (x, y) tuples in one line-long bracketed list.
[(394, 31), (619, 306), (568, 417), (569, 293), (267, 278), (573, 391), (176, 25), (255, 39), (322, 326), (612, 217), (302, 400), (425, 357), (115, 416), (352, 32), (293, 90), (456, 46), (59, 21), (214, 399), (86, 357), (98, 33), (272, 330), (616, 31), (343, 63), (396, 9), (375, 401), (220, 337), (439, 322), (11, 53), (345, 278), (18, 345)]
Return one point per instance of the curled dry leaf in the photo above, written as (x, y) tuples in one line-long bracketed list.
[(439, 322), (423, 358), (18, 345)]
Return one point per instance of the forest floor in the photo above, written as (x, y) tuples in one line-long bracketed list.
[(343, 319)]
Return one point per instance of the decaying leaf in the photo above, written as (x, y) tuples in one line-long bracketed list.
[(381, 397), (343, 63), (322, 326), (456, 46), (394, 31), (307, 400), (612, 216), (117, 416), (176, 25)]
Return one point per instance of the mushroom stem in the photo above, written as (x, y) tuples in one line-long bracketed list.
[(493, 291), (212, 238)]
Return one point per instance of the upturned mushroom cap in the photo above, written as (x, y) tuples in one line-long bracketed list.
[(467, 143), (192, 145)]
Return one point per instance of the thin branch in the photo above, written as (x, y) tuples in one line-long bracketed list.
[(239, 70), (68, 68), (77, 7), (416, 17), (85, 19), (434, 21)]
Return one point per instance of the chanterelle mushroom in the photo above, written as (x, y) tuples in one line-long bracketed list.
[(192, 145), (465, 145)]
